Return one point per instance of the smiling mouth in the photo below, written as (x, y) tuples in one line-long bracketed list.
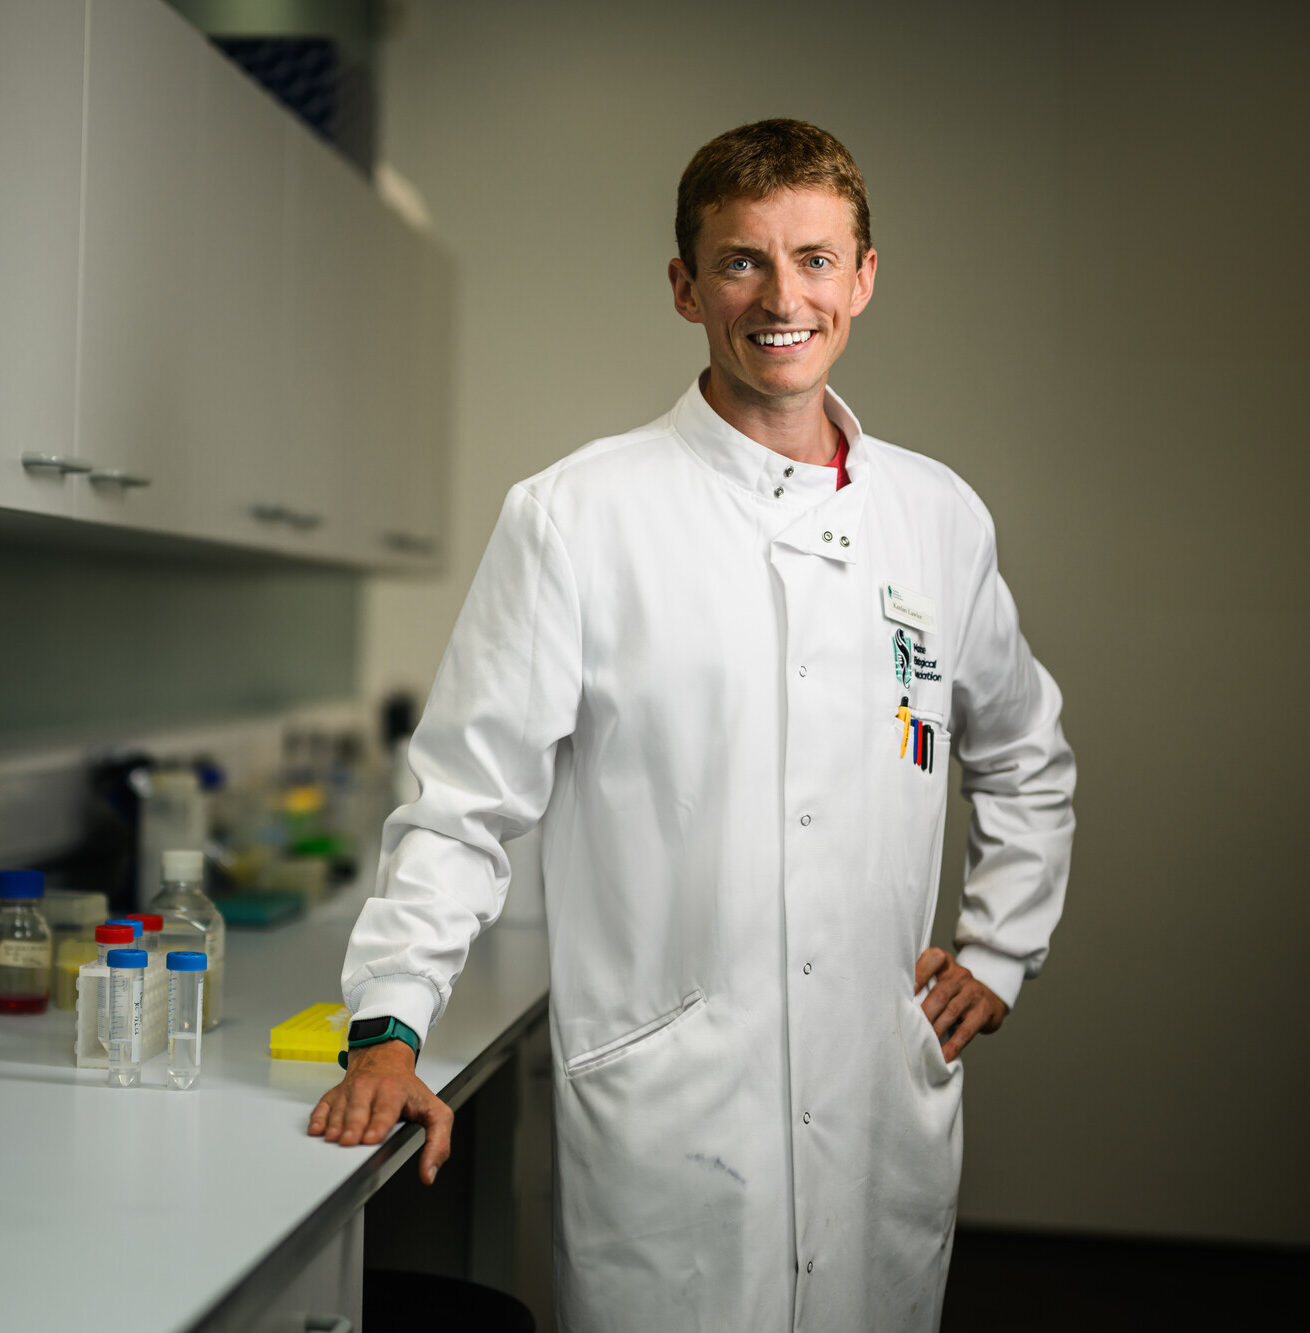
[(788, 339)]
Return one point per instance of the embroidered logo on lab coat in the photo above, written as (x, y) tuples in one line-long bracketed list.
[(901, 657), (925, 668)]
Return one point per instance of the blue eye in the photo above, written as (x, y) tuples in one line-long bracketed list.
[(818, 261), (738, 264)]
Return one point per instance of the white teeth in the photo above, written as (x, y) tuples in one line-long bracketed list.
[(782, 339)]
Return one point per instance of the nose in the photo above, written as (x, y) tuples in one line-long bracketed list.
[(782, 295)]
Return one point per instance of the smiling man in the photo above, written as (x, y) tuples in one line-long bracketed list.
[(724, 659)]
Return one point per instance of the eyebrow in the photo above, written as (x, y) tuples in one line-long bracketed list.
[(752, 252)]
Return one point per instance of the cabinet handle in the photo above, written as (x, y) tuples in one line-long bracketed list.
[(328, 1323), (114, 476), (297, 518), (56, 462), (408, 543)]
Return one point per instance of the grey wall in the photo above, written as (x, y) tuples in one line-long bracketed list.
[(1091, 301)]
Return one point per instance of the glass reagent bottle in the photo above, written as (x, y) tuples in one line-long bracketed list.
[(25, 943), (183, 901)]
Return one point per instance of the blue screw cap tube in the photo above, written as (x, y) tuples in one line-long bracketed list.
[(186, 1010), (127, 973)]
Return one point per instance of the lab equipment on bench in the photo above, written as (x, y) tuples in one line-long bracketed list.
[(25, 943), (127, 972), (184, 906), (112, 935), (151, 925), (186, 985)]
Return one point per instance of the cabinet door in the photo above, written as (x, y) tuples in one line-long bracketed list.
[(42, 57), (139, 258), (391, 353), (431, 406), (239, 472), (329, 209), (412, 317), (326, 1292)]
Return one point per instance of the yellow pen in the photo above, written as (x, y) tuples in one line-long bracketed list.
[(903, 712)]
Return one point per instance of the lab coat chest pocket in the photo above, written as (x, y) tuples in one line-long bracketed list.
[(914, 768)]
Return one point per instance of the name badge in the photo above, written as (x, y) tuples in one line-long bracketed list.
[(909, 608)]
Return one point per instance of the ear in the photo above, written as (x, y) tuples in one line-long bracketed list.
[(684, 292), (864, 283)]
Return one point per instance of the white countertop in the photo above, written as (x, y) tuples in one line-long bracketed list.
[(141, 1209)]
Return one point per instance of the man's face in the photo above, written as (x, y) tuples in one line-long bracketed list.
[(778, 282)]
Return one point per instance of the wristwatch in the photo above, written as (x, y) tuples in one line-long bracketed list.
[(372, 1031)]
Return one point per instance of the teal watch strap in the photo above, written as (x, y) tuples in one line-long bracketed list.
[(374, 1031)]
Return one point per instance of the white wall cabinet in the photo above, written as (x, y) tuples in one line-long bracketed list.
[(209, 319), (238, 450), (41, 73), (139, 253), (328, 383), (406, 352)]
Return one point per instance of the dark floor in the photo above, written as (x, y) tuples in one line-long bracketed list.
[(1017, 1282)]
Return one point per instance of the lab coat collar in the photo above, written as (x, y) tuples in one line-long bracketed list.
[(827, 521)]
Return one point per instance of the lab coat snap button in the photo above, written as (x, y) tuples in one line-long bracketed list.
[(806, 969), (787, 471), (805, 819), (845, 541), (827, 536), (777, 493), (802, 671), (809, 1268), (806, 1117)]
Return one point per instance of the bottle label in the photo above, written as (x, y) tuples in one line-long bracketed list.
[(125, 1010), (24, 953)]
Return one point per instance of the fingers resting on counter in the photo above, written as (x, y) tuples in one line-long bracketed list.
[(381, 1087)]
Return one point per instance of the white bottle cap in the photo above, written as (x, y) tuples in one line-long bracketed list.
[(188, 866)]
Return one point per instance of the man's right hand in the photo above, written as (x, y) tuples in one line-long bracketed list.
[(381, 1087)]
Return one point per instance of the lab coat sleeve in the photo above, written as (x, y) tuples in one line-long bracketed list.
[(505, 696), (1019, 775)]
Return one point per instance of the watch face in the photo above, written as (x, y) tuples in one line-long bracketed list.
[(366, 1029)]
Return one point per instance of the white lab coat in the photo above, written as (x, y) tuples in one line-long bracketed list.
[(676, 652)]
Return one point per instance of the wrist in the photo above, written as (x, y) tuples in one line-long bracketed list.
[(366, 1033), (386, 1057)]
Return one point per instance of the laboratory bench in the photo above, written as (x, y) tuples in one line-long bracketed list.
[(154, 1210)]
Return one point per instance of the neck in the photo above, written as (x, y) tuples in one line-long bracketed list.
[(797, 429)]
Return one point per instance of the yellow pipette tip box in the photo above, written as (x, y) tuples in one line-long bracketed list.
[(316, 1033)]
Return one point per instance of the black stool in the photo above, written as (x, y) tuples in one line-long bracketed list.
[(398, 1302)]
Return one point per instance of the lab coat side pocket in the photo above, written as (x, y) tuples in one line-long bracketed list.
[(923, 1050), (600, 1056)]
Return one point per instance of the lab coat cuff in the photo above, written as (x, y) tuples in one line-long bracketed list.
[(408, 998), (997, 971)]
